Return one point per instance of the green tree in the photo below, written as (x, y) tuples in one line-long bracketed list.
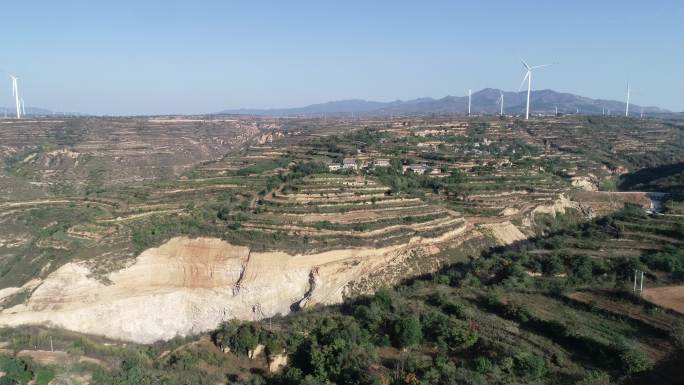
[(407, 332), (244, 340)]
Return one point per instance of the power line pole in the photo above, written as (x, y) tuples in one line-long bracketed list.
[(638, 274), (635, 280)]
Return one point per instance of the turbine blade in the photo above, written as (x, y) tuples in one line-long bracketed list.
[(523, 81), (525, 64), (542, 66)]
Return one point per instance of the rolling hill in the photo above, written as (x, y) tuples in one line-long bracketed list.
[(483, 102)]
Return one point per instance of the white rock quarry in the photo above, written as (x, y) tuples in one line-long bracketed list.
[(188, 286)]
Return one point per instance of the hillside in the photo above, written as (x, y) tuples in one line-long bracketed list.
[(247, 220), (554, 310)]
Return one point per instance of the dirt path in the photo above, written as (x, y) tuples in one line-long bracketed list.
[(141, 215)]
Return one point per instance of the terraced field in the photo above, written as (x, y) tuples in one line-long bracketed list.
[(258, 212), (355, 208), (504, 177)]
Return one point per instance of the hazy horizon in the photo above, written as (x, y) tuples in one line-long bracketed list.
[(175, 58)]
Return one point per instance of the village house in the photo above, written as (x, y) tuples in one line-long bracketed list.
[(349, 163), (416, 168), (381, 163)]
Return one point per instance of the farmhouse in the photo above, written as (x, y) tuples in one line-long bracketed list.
[(349, 163), (381, 163), (416, 168)]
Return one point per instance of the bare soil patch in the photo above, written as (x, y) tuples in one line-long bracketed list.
[(670, 297)]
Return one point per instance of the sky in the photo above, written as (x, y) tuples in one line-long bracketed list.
[(187, 57)]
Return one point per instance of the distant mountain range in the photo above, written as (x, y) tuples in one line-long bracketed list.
[(34, 111), (11, 111), (483, 102)]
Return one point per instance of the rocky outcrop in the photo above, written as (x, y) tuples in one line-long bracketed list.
[(586, 183), (276, 362), (188, 286), (505, 232)]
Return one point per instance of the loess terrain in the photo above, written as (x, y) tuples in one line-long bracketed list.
[(138, 230)]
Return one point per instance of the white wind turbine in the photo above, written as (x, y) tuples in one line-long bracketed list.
[(500, 102), (15, 93), (528, 76), (470, 95), (627, 106), (23, 107)]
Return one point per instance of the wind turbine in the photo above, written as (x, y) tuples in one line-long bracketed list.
[(23, 107), (470, 95), (15, 93), (500, 102), (627, 106), (528, 76)]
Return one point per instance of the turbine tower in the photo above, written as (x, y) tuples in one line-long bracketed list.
[(470, 95), (500, 102), (23, 107), (528, 77), (627, 106), (15, 93)]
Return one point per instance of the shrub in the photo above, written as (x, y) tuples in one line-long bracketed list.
[(244, 340), (530, 365), (44, 376), (634, 360), (16, 371), (595, 377), (482, 364), (407, 332), (460, 335)]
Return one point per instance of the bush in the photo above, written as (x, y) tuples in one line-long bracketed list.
[(244, 340), (407, 332), (530, 365), (44, 376), (519, 312), (670, 259), (16, 371), (595, 377), (482, 365), (634, 360)]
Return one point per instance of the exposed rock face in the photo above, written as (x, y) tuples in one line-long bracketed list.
[(191, 285), (585, 183), (276, 362), (505, 233)]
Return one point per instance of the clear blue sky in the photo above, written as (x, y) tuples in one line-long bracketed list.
[(149, 57)]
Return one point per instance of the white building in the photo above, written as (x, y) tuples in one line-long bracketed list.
[(416, 168), (349, 163), (381, 163)]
